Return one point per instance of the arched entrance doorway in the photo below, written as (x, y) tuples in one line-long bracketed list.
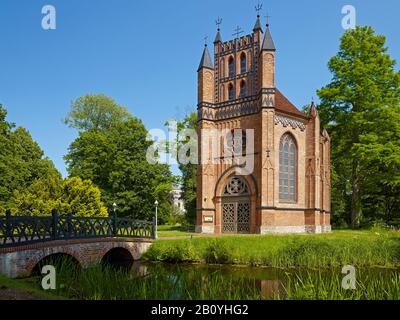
[(236, 206)]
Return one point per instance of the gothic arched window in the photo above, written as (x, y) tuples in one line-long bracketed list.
[(243, 63), (231, 67), (222, 68), (287, 168), (222, 93), (231, 92), (243, 90)]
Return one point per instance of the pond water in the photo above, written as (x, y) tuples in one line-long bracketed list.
[(158, 281), (199, 281)]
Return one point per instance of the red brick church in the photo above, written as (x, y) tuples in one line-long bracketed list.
[(289, 189)]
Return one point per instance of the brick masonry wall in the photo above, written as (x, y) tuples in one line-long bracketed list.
[(268, 213)]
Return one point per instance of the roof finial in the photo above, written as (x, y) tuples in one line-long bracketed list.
[(205, 41), (238, 32), (258, 8), (218, 23), (267, 17)]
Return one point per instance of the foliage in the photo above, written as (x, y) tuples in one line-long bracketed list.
[(95, 112), (82, 198), (361, 110), (198, 282), (74, 195), (357, 248), (189, 171), (21, 161), (114, 158), (219, 252), (31, 185)]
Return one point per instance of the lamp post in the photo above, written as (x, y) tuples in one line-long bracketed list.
[(114, 219), (156, 204)]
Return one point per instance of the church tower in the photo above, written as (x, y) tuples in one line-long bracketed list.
[(288, 189)]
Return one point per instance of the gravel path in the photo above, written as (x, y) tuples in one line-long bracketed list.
[(16, 294)]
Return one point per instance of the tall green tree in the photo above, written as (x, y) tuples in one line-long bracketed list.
[(22, 161), (362, 99), (189, 171), (95, 112), (114, 158)]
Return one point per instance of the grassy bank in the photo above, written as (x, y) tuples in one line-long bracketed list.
[(376, 247), (23, 289)]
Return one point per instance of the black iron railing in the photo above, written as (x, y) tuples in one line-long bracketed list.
[(22, 230)]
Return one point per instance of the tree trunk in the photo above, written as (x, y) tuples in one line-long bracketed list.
[(355, 199)]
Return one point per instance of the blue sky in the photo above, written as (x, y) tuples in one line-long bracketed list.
[(145, 54)]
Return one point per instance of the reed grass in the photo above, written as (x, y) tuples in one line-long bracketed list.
[(100, 282), (362, 249)]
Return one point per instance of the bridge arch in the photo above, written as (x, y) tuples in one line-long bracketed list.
[(55, 252), (118, 257), (54, 259)]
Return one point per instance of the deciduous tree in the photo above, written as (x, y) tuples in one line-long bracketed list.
[(359, 109)]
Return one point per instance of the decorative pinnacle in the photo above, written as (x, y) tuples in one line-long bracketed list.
[(218, 23), (267, 17), (258, 8)]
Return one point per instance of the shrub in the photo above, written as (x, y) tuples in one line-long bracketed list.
[(182, 252), (218, 252)]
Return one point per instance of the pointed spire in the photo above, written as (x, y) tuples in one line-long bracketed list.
[(258, 25), (268, 43), (312, 112), (218, 37), (205, 61)]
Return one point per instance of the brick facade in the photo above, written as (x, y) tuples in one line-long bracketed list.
[(271, 115)]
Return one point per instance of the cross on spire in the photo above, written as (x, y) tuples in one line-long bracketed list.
[(218, 23), (205, 41), (238, 32), (258, 8), (267, 17)]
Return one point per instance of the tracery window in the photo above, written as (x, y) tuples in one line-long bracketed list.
[(287, 168)]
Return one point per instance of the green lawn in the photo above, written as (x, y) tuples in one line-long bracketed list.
[(376, 247), (165, 231), (25, 289)]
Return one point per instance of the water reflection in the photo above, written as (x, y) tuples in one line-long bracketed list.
[(185, 281)]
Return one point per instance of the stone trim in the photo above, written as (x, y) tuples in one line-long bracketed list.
[(288, 121), (205, 229), (326, 229), (293, 209), (313, 229), (230, 169), (294, 229), (282, 230)]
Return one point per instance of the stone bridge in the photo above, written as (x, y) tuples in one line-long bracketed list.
[(21, 260), (26, 241)]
